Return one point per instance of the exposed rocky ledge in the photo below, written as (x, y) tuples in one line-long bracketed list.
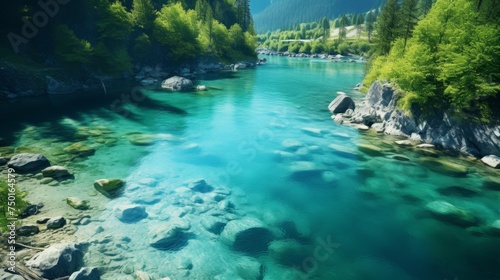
[(378, 111)]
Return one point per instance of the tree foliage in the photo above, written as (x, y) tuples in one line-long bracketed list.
[(450, 63)]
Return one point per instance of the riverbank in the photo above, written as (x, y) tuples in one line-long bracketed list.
[(378, 112), (274, 168)]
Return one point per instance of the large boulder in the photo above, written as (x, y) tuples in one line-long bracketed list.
[(27, 230), (28, 162), (288, 252), (177, 83), (110, 188), (341, 104), (200, 185), (171, 236), (492, 161), (58, 260), (247, 235), (55, 223), (86, 273), (448, 212), (130, 213), (56, 172)]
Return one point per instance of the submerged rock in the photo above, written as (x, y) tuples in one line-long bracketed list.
[(142, 139), (494, 228), (491, 161), (27, 230), (492, 183), (370, 150), (316, 132), (448, 212), (110, 188), (58, 260), (200, 185), (28, 162), (288, 252), (80, 149), (250, 269), (213, 224), (444, 166), (247, 235), (130, 213), (56, 172), (86, 273), (55, 223), (171, 236), (291, 144)]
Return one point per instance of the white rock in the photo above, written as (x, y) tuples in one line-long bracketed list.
[(491, 161)]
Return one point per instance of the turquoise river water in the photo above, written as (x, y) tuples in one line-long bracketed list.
[(264, 141)]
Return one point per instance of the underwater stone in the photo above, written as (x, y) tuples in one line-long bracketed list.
[(200, 185), (55, 223), (130, 213), (445, 167), (291, 144), (86, 273), (247, 235), (77, 203), (448, 212), (80, 149), (288, 252), (55, 172), (109, 187), (370, 150), (213, 224), (250, 269), (171, 236)]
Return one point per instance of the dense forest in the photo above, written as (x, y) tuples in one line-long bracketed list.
[(448, 61), (317, 36), (109, 36), (283, 14)]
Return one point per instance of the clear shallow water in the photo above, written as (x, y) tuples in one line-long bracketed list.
[(247, 139)]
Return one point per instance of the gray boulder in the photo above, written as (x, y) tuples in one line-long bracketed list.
[(247, 235), (341, 104), (86, 273), (28, 162), (177, 83), (58, 260), (27, 230), (55, 172), (200, 185), (491, 161), (213, 224), (78, 203), (171, 236), (130, 213), (55, 223)]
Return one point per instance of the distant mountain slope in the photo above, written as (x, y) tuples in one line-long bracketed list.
[(256, 6), (284, 13)]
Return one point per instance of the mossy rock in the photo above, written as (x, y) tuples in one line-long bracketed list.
[(80, 149), (110, 188), (7, 152), (77, 203), (444, 166), (142, 139), (370, 150), (448, 212)]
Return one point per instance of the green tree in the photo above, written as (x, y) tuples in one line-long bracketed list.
[(70, 48), (388, 26), (143, 13), (177, 31), (369, 26), (409, 12), (115, 23), (343, 28), (325, 24)]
